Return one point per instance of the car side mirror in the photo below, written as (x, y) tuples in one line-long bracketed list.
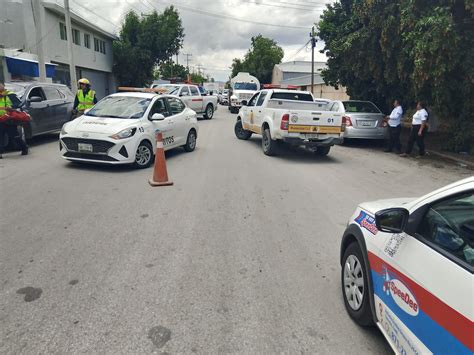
[(244, 102), (35, 99), (392, 220), (157, 117)]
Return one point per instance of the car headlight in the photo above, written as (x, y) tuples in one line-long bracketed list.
[(63, 130), (126, 133)]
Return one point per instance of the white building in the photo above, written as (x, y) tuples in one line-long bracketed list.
[(298, 73), (92, 46)]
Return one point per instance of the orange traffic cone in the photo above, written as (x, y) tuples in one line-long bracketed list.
[(160, 174)]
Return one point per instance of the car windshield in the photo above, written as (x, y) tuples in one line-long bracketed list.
[(245, 86), (169, 89), (120, 107), (18, 89), (360, 106)]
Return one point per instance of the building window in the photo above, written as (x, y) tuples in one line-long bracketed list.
[(87, 40), (76, 37), (99, 45), (62, 31)]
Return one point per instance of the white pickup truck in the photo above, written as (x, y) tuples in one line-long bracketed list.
[(289, 116), (192, 96)]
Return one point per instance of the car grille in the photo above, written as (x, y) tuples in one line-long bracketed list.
[(98, 146), (89, 156)]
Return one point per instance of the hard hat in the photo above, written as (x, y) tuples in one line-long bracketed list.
[(83, 81)]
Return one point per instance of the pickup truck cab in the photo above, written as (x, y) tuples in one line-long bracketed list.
[(196, 100), (291, 117)]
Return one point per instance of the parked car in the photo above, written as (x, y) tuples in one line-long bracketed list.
[(120, 129), (364, 120), (224, 97), (291, 117), (49, 105), (407, 266)]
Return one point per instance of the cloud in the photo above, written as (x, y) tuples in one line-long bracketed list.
[(212, 34)]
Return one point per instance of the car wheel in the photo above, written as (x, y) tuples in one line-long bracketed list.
[(355, 288), (209, 113), (269, 145), (240, 132), (322, 151), (190, 141), (144, 155)]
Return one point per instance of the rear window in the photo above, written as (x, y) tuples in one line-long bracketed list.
[(360, 106), (295, 96)]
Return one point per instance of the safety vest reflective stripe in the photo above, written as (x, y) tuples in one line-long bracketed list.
[(86, 101)]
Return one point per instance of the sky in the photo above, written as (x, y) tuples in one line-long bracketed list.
[(216, 31)]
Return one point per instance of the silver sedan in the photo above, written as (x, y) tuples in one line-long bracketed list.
[(363, 119)]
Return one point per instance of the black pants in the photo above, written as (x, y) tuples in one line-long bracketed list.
[(13, 134), (414, 137), (394, 138)]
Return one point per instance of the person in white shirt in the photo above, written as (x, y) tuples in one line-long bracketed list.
[(394, 128), (419, 126)]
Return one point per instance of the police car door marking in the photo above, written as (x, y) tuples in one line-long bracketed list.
[(141, 129), (391, 247), (168, 140), (367, 221)]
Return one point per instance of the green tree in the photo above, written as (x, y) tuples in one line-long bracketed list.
[(263, 54), (145, 42), (170, 70), (407, 49)]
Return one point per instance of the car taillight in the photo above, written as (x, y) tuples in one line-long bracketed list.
[(285, 119)]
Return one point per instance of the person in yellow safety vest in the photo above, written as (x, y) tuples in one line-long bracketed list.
[(85, 97), (9, 102)]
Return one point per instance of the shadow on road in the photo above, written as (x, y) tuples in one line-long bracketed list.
[(364, 143), (294, 154)]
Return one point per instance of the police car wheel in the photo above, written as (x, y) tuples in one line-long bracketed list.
[(355, 289), (190, 141), (143, 155), (269, 146), (240, 132), (209, 112), (322, 151)]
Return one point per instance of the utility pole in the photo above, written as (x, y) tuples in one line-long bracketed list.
[(38, 19), (187, 59), (312, 35), (72, 66)]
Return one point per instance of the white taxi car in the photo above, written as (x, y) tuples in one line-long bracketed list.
[(407, 266), (121, 128)]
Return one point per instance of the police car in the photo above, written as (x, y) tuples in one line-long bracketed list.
[(407, 266), (121, 128)]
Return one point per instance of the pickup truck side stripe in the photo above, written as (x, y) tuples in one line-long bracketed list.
[(196, 100), (438, 324), (293, 128)]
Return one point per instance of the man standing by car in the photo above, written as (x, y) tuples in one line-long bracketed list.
[(8, 103), (85, 97), (395, 128)]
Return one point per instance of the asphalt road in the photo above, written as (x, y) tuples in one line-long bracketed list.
[(240, 255)]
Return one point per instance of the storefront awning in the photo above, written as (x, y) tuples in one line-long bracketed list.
[(20, 66)]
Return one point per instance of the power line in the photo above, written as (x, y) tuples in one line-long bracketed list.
[(213, 14), (305, 9), (96, 14), (298, 51)]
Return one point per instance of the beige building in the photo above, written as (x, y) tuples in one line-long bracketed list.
[(298, 74)]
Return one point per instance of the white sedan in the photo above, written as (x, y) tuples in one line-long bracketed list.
[(407, 266), (121, 129)]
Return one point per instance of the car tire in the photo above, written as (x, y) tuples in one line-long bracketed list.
[(144, 155), (269, 145), (240, 132), (190, 141), (322, 151), (209, 112), (355, 286)]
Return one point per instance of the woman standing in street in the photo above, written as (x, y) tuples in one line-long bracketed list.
[(419, 126)]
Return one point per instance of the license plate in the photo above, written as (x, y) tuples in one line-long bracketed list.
[(367, 123), (83, 147)]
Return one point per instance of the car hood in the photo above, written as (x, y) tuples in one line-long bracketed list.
[(103, 125), (378, 205)]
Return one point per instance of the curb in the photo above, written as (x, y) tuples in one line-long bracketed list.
[(461, 162)]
